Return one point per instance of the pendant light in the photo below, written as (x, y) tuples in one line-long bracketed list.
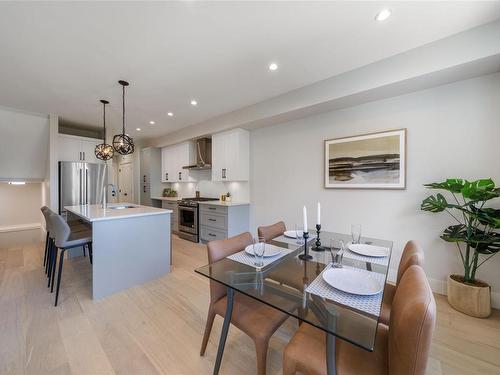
[(104, 151), (122, 143)]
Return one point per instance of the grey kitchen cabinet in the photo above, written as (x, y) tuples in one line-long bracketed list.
[(218, 222), (174, 222), (150, 169)]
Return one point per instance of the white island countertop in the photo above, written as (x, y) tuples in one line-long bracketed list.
[(225, 204), (95, 212)]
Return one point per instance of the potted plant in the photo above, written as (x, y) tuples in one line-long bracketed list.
[(476, 234)]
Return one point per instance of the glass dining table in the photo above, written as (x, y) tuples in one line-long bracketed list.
[(294, 286)]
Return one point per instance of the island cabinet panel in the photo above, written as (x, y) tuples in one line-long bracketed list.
[(230, 156), (173, 205), (174, 158), (220, 222)]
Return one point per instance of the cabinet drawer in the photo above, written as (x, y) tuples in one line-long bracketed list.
[(214, 209), (215, 221), (208, 234)]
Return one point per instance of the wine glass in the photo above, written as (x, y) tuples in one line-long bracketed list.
[(298, 234), (356, 233), (339, 255), (259, 248)]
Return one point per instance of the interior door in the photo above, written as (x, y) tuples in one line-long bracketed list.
[(125, 183)]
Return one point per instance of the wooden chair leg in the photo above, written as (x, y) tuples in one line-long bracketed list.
[(261, 351), (208, 329)]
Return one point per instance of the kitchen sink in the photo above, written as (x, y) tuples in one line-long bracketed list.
[(121, 207)]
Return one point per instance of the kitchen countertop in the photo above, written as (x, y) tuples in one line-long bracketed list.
[(225, 204), (172, 199), (95, 212)]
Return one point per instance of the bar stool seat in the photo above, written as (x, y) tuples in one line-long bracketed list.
[(65, 239)]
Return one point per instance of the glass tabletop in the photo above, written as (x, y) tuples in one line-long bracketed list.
[(283, 283)]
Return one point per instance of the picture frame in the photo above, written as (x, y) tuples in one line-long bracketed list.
[(367, 161)]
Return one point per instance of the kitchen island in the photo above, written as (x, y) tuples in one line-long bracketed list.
[(131, 244)]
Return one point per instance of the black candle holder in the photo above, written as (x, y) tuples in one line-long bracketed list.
[(317, 244), (306, 255)]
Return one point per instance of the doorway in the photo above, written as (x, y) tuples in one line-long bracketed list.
[(125, 183)]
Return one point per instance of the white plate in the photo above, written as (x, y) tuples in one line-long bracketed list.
[(270, 250), (352, 281), (291, 234), (369, 250)]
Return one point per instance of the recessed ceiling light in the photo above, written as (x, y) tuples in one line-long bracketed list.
[(170, 114), (138, 129), (17, 183), (152, 123), (273, 66), (194, 102), (383, 15)]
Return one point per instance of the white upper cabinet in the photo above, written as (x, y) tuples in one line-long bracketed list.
[(73, 148), (230, 156), (174, 158)]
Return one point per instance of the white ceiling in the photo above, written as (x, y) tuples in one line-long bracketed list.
[(63, 57)]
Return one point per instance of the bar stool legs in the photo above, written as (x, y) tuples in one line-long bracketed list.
[(59, 273), (46, 249)]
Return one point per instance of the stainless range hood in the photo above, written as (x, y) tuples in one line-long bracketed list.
[(203, 155)]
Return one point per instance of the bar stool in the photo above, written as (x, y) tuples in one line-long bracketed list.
[(65, 240)]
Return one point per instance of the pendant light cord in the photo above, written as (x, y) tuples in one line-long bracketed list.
[(123, 101), (104, 121)]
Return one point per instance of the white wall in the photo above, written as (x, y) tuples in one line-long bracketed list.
[(453, 131), (24, 145), (20, 205)]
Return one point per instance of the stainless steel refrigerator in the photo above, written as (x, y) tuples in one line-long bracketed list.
[(80, 183)]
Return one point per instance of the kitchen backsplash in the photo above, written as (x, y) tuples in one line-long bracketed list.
[(239, 190)]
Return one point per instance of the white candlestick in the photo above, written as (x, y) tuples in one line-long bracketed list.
[(304, 211), (319, 214)]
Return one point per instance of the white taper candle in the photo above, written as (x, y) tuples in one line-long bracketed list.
[(305, 218), (319, 215)]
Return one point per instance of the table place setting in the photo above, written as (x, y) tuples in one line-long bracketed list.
[(368, 253), (270, 254), (350, 286)]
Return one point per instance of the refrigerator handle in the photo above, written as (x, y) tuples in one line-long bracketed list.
[(86, 186), (81, 187)]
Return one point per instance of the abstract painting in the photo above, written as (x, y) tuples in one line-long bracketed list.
[(370, 161)]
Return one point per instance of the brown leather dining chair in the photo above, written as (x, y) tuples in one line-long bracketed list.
[(412, 255), (254, 318), (400, 348), (271, 231)]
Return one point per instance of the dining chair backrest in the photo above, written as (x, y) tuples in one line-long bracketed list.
[(60, 228), (220, 249), (271, 231), (412, 255), (412, 321), (46, 212)]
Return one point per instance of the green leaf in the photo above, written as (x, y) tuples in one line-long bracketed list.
[(455, 233), (453, 185), (487, 216), (435, 203), (480, 190), (485, 243)]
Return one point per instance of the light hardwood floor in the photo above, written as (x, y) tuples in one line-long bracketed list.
[(156, 328)]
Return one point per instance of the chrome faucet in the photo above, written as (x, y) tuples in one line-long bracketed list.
[(105, 194)]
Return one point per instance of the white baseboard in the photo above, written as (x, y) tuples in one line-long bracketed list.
[(439, 287), (20, 227)]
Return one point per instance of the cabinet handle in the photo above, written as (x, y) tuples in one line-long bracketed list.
[(212, 235), (180, 176), (83, 155), (80, 155), (166, 176), (144, 178), (223, 172), (211, 208), (144, 188), (212, 220)]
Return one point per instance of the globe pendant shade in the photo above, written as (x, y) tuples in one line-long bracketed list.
[(123, 144), (104, 151)]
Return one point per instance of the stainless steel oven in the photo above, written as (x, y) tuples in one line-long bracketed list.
[(188, 222), (189, 228)]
